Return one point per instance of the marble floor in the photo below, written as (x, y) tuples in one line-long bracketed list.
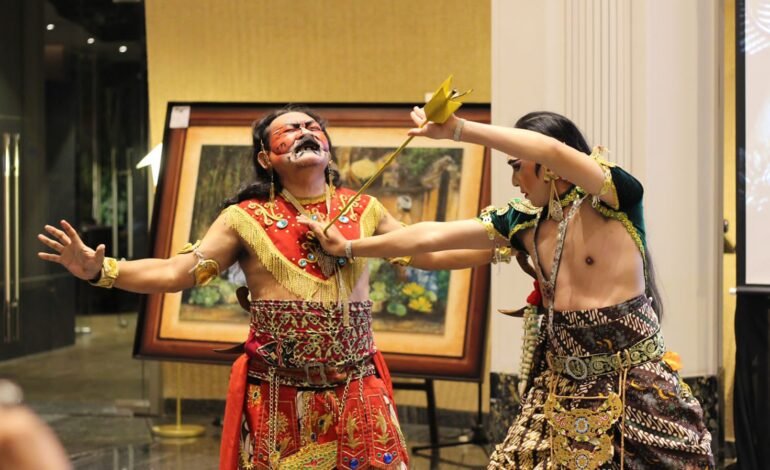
[(83, 393)]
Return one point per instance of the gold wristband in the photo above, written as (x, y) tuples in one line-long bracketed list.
[(400, 260), (502, 254), (109, 274)]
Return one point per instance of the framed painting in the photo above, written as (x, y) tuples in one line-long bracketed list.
[(428, 324)]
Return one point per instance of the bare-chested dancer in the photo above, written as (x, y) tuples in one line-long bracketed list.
[(599, 392)]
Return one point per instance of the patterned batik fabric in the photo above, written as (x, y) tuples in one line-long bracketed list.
[(349, 425), (664, 425), (295, 333), (310, 433)]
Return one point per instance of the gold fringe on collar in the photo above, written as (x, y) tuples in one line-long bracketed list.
[(295, 279)]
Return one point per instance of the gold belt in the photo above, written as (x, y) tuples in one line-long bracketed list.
[(313, 374), (583, 367)]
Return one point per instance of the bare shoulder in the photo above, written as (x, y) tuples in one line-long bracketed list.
[(222, 231)]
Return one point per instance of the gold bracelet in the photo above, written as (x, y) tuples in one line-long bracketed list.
[(502, 254), (400, 260), (109, 274)]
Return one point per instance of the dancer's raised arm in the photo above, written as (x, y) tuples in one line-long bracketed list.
[(565, 161)]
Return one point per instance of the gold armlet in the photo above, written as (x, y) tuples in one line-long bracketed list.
[(189, 247), (502, 254), (108, 275), (400, 260), (204, 270), (607, 185)]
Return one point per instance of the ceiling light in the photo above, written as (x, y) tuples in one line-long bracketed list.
[(122, 49), (90, 40), (50, 26)]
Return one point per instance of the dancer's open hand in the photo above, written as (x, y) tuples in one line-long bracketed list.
[(81, 260), (333, 242)]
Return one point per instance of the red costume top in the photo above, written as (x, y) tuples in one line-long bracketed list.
[(309, 334), (286, 248)]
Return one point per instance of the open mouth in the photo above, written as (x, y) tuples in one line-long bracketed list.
[(307, 145)]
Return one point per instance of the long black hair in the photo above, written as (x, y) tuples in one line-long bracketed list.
[(564, 130), (260, 186), (554, 125)]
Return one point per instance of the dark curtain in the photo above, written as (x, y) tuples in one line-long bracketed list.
[(752, 401)]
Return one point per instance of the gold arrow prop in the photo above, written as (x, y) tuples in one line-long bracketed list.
[(442, 105)]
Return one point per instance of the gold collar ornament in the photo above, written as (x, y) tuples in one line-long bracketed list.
[(328, 264)]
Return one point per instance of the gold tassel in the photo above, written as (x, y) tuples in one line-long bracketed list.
[(555, 211)]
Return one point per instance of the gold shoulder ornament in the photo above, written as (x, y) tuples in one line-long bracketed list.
[(524, 206)]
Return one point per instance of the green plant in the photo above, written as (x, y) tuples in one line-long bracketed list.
[(218, 291)]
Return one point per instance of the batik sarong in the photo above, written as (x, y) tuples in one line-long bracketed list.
[(311, 392), (658, 424)]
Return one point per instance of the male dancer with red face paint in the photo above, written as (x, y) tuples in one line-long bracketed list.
[(310, 390)]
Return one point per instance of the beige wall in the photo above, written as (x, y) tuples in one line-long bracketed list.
[(729, 262), (678, 147), (668, 80), (526, 35), (312, 51)]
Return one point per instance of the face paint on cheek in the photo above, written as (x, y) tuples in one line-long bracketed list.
[(321, 137), (282, 143)]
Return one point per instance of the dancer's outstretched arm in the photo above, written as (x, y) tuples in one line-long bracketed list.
[(423, 237), (150, 275)]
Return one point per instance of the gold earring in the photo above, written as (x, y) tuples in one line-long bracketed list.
[(329, 169), (555, 211), (272, 186), (269, 167), (549, 175)]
